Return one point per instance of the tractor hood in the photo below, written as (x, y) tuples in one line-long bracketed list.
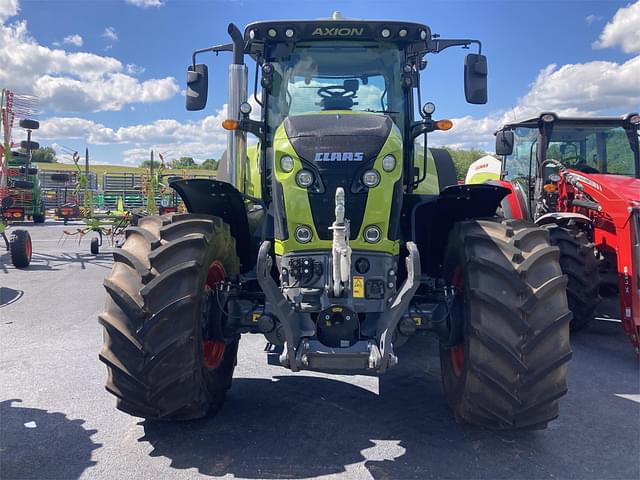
[(626, 187), (339, 148), (336, 149), (315, 135)]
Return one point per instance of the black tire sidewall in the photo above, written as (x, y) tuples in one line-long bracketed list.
[(95, 247), (454, 384), (18, 247)]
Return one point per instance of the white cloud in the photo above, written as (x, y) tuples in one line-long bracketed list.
[(590, 19), (590, 88), (623, 30), (110, 33), (133, 69), (8, 9), (199, 139), (146, 3), (72, 82), (73, 40)]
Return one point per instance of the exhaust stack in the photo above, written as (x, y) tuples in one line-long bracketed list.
[(236, 139)]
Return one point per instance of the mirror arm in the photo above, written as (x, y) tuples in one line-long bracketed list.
[(252, 126), (436, 45), (227, 47), (418, 128)]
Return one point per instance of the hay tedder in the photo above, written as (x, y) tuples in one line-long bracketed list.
[(580, 179), (20, 193), (338, 238)]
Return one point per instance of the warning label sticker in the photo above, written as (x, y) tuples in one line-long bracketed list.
[(358, 287)]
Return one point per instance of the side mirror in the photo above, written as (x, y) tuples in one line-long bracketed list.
[(475, 78), (504, 142), (29, 124), (197, 87)]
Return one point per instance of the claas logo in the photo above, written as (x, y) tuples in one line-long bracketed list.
[(339, 157)]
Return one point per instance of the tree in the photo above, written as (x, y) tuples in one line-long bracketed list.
[(44, 155), (184, 162), (462, 159), (210, 164)]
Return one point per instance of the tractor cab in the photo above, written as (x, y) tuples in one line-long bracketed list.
[(603, 147)]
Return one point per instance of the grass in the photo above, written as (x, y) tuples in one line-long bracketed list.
[(102, 169)]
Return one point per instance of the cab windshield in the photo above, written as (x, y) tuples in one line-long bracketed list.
[(590, 148), (332, 76), (595, 149)]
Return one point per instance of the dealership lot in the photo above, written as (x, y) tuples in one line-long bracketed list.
[(57, 421)]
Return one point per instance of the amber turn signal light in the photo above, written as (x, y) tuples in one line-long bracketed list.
[(444, 125), (230, 124)]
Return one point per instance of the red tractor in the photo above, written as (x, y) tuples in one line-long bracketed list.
[(580, 179)]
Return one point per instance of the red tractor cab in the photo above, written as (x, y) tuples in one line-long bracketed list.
[(580, 177)]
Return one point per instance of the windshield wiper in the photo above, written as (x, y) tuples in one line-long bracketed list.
[(379, 111)]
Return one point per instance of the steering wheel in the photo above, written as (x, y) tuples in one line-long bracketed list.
[(336, 91)]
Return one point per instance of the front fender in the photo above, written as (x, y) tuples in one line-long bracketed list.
[(564, 219), (221, 199)]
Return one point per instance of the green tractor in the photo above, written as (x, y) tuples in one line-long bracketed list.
[(338, 237)]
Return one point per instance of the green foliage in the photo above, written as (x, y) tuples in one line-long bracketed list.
[(183, 162), (210, 164), (462, 159), (45, 155)]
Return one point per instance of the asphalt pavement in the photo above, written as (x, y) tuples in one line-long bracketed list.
[(58, 422)]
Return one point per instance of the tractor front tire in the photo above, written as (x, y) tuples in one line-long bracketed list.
[(581, 267), (510, 299), (160, 365), (21, 248)]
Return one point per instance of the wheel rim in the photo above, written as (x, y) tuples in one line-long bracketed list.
[(28, 248), (215, 275), (457, 352), (213, 349), (213, 353)]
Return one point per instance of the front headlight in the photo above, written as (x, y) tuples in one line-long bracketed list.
[(305, 178), (286, 163), (303, 234), (388, 163), (372, 234), (371, 178)]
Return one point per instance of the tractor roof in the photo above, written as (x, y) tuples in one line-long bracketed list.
[(533, 122), (337, 29)]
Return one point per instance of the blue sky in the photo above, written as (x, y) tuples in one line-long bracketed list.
[(109, 74)]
